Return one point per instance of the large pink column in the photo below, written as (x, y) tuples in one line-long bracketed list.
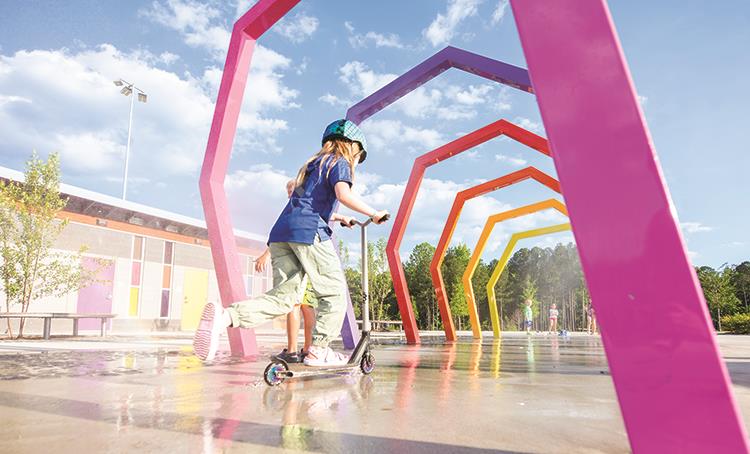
[(246, 31), (671, 382)]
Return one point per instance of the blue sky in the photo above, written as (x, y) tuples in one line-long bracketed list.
[(689, 60)]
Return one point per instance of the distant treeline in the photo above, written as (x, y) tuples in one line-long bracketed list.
[(545, 275)]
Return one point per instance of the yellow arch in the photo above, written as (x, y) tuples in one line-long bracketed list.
[(504, 261), (483, 237)]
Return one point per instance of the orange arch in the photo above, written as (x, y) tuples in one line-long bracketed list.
[(482, 243), (450, 226)]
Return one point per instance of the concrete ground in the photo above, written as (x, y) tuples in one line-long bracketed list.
[(147, 394)]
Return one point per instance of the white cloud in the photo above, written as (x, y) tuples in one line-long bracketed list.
[(201, 25), (302, 67), (357, 41), (91, 152), (333, 100), (443, 27), (8, 99), (365, 181), (448, 102), (549, 241), (168, 58), (243, 6), (473, 95), (391, 136), (514, 161), (361, 80), (297, 29), (434, 200), (250, 211), (499, 13), (694, 227), (85, 118), (195, 21), (530, 125), (642, 100)]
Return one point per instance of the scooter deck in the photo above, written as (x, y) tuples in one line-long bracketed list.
[(300, 370)]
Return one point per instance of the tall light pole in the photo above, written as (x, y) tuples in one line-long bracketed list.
[(127, 90)]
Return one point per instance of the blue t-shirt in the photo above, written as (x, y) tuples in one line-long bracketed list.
[(311, 205)]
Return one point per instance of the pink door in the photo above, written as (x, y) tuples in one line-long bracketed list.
[(97, 297)]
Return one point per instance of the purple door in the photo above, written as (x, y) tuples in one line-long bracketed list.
[(97, 297)]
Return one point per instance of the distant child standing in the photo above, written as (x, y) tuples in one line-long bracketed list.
[(301, 246), (528, 316), (591, 316), (553, 313)]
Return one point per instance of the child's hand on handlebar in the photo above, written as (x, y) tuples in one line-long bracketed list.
[(380, 217), (346, 221)]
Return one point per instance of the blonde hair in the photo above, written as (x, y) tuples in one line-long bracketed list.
[(332, 151)]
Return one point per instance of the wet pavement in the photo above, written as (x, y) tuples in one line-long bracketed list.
[(524, 394)]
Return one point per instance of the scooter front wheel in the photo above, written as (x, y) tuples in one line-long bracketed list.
[(367, 364), (275, 373)]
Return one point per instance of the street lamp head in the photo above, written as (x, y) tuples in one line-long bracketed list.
[(142, 97), (126, 91), (118, 82)]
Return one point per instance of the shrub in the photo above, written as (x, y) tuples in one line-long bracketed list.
[(736, 324)]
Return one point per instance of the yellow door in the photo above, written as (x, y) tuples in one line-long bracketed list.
[(195, 296)]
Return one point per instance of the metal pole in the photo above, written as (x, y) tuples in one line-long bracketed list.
[(127, 147), (365, 283)]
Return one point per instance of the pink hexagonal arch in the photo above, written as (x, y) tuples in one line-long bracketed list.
[(672, 385), (246, 31)]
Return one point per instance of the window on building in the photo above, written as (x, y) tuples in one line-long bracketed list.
[(257, 283), (166, 280), (136, 275)]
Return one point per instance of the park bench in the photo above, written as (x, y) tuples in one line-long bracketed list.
[(379, 325), (48, 316)]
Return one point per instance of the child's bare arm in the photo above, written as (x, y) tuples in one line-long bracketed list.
[(352, 201)]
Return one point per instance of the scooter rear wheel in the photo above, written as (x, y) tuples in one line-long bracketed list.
[(367, 364), (274, 373)]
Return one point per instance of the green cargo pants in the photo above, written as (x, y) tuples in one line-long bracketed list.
[(291, 262)]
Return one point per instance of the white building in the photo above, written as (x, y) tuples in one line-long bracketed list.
[(157, 267)]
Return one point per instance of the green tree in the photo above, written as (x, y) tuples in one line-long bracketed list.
[(379, 279), (741, 283), (29, 226), (453, 267), (479, 282), (719, 292), (354, 282), (417, 271)]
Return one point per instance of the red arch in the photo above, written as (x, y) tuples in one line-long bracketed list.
[(492, 130), (450, 226)]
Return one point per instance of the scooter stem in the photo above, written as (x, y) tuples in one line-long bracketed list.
[(365, 280)]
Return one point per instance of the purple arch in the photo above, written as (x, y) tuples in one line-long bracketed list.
[(449, 57)]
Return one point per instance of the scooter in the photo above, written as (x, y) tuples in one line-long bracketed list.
[(279, 370)]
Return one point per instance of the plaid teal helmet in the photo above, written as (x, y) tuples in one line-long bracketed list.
[(346, 129)]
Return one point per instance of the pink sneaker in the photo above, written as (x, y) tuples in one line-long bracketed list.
[(324, 356), (206, 339)]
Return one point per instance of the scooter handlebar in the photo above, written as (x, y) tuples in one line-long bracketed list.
[(363, 223)]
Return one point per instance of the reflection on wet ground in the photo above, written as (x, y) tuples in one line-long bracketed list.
[(524, 394)]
